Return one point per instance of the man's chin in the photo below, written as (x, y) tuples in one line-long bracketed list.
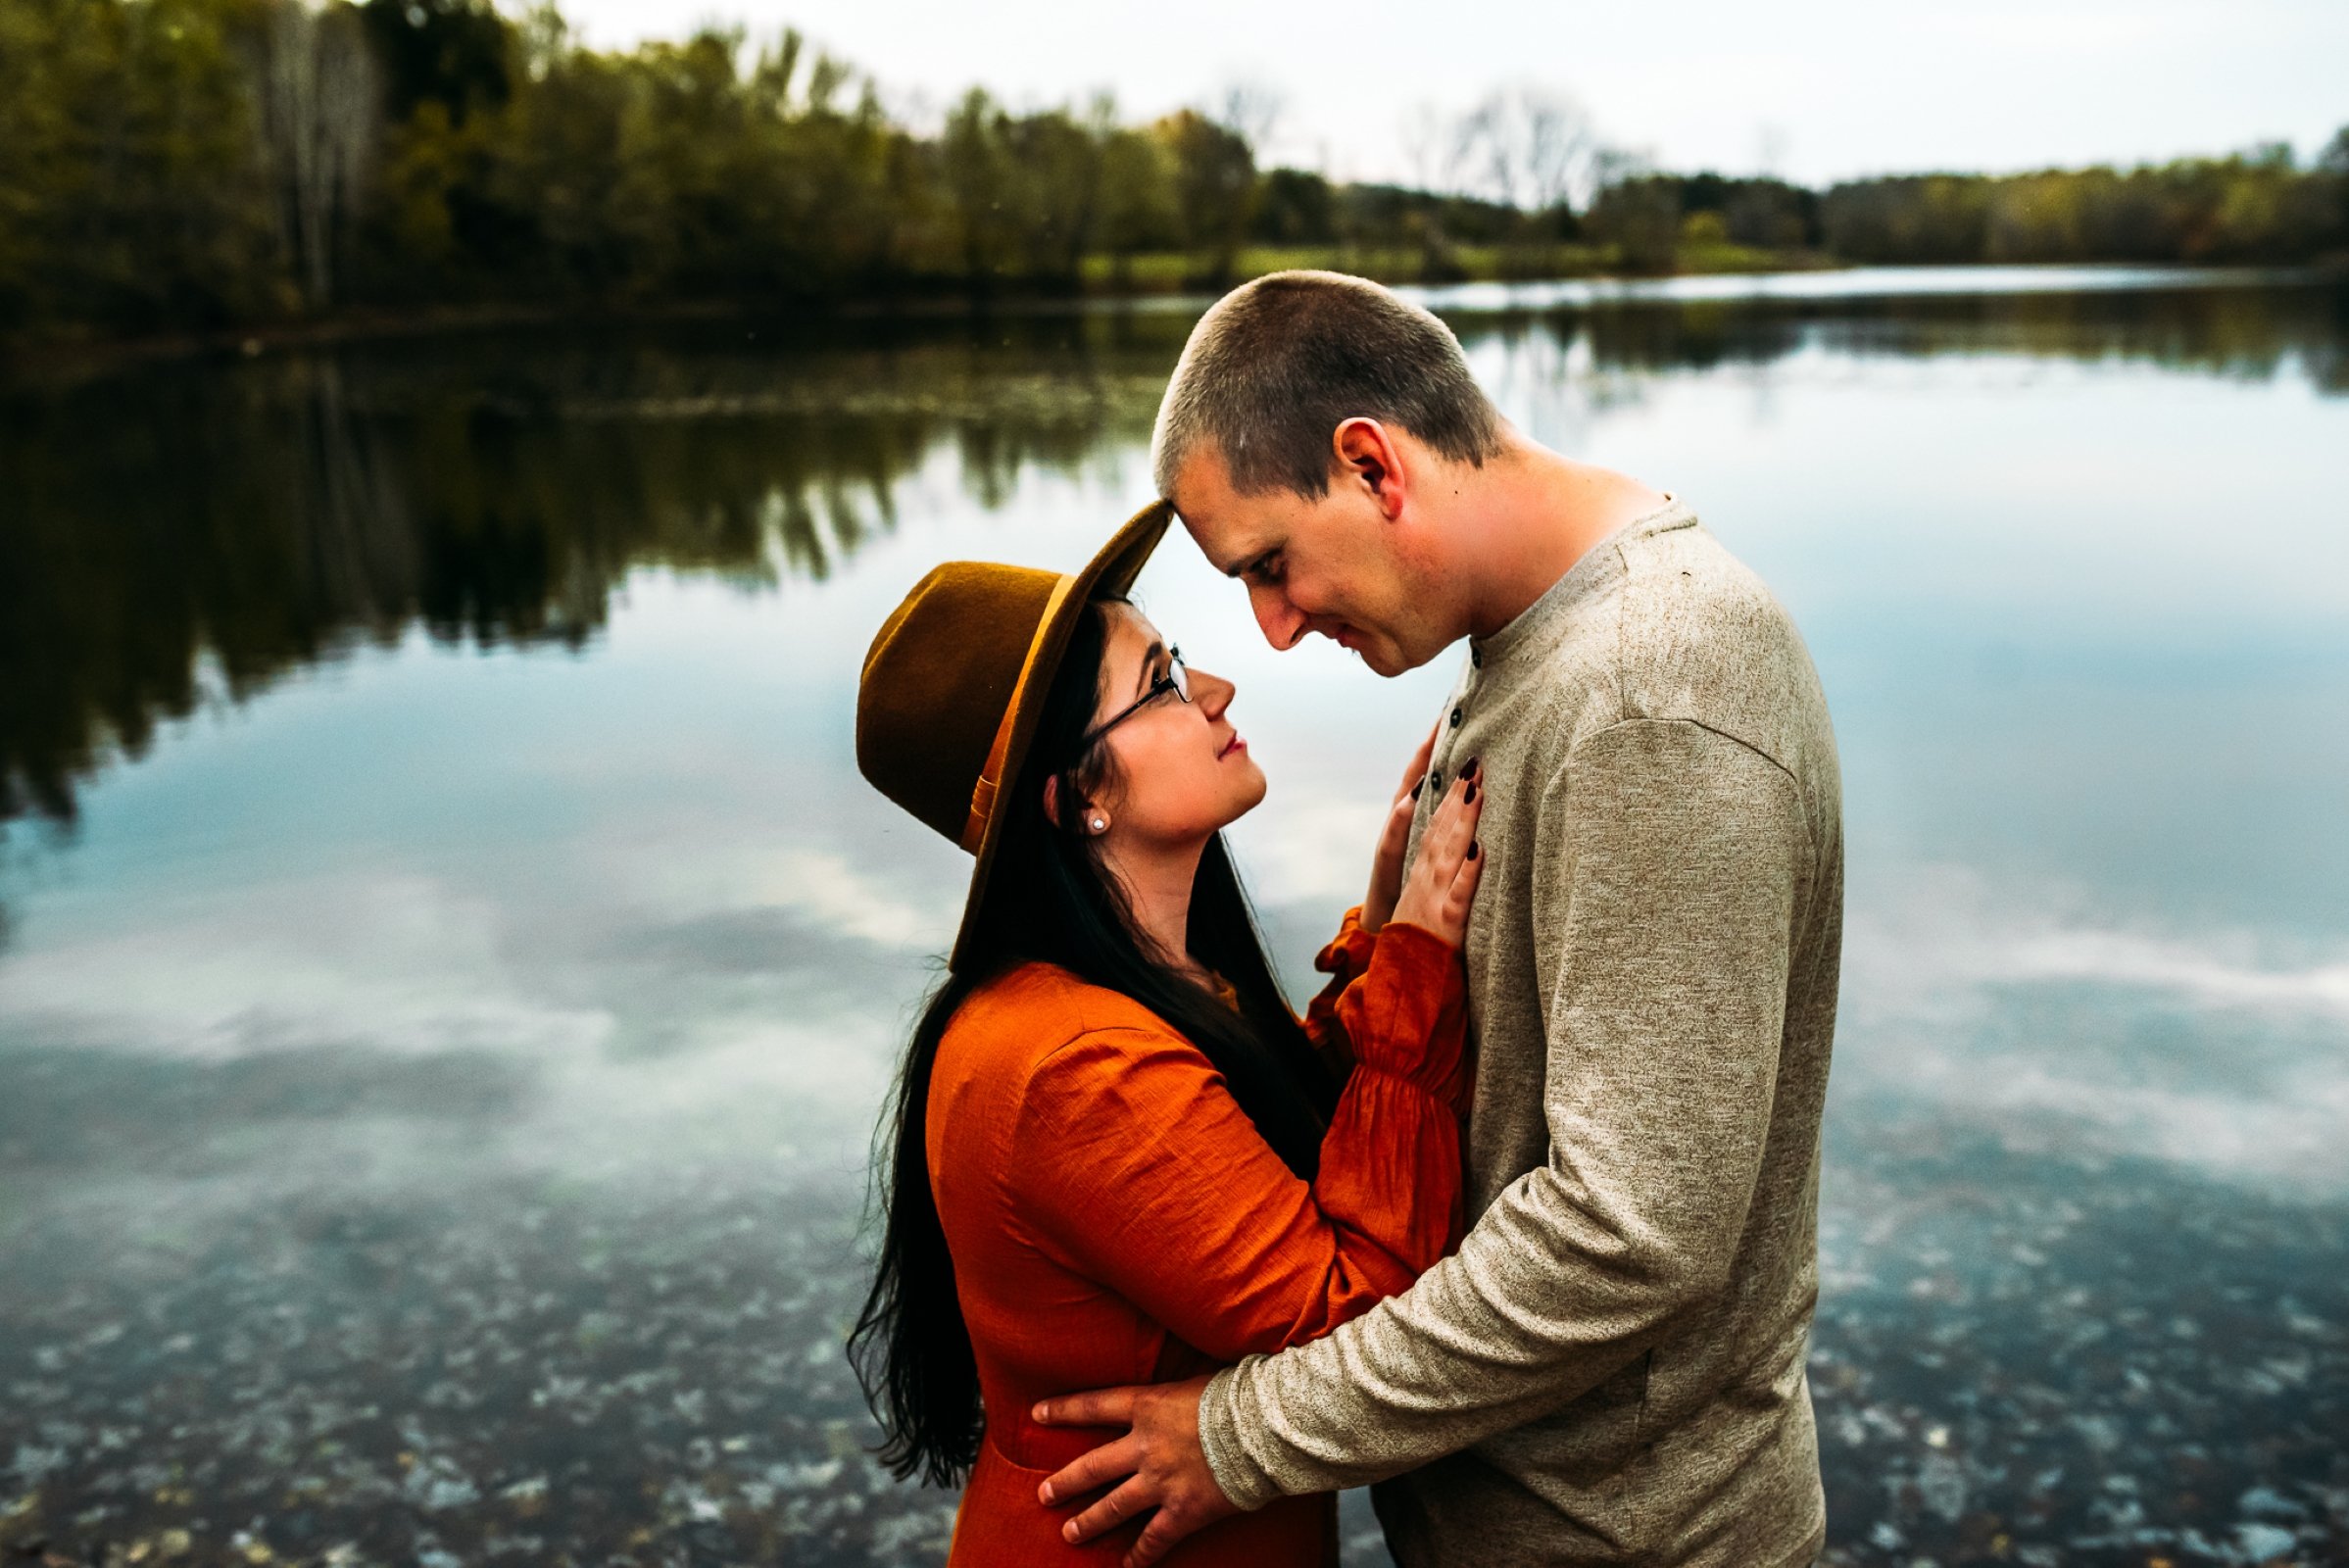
[(1384, 658), (1364, 649)]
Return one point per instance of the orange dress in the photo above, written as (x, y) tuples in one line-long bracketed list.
[(1115, 1218)]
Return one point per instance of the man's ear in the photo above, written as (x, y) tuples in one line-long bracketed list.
[(1051, 800), (1369, 455)]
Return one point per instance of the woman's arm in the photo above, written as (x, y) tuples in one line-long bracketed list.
[(1137, 1164)]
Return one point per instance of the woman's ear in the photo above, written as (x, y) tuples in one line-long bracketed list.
[(1097, 821)]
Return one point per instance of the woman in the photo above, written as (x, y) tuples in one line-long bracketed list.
[(1117, 1155)]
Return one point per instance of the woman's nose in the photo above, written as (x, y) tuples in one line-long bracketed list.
[(1213, 693)]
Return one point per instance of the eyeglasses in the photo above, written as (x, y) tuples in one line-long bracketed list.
[(1177, 680)]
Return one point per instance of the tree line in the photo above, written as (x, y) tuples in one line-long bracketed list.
[(175, 165)]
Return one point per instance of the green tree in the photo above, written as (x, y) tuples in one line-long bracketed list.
[(976, 161), (459, 54), (1641, 217), (1138, 211), (173, 164), (1059, 167), (128, 197), (1215, 190), (1295, 207), (1771, 215)]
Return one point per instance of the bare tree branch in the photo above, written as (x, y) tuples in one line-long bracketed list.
[(1249, 109), (1528, 146), (319, 95)]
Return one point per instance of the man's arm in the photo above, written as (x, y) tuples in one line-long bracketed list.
[(1669, 863)]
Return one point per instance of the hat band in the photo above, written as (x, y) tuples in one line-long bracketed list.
[(982, 793)]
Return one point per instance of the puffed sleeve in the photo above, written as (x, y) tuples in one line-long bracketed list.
[(1139, 1166), (1345, 961)]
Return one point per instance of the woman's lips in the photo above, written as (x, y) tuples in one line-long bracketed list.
[(1235, 744)]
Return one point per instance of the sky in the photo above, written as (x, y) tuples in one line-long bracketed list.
[(1813, 90)]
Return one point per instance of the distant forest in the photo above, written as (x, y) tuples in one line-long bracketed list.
[(171, 165)]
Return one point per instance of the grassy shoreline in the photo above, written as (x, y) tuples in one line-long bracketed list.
[(1171, 272)]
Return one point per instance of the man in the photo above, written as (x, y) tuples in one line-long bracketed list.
[(1611, 1368)]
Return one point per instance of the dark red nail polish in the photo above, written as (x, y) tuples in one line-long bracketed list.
[(1421, 785), (1475, 766), (1471, 793), (1475, 848)]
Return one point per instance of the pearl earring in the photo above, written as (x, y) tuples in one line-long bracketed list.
[(1100, 826)]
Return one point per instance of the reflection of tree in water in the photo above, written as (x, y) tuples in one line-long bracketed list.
[(196, 533), (1698, 336), (2227, 332), (2328, 351)]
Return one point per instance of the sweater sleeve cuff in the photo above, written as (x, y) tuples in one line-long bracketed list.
[(1349, 951), (1244, 1484)]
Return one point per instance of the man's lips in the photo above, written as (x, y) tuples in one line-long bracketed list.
[(1235, 744)]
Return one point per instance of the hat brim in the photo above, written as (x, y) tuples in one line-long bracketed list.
[(1112, 571)]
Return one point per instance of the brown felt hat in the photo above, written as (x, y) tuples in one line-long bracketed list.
[(955, 678)]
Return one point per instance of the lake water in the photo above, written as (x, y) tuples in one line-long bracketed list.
[(450, 964)]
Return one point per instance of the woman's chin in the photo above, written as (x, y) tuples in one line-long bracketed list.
[(1249, 792)]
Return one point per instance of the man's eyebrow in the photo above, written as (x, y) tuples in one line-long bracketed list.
[(1150, 658), (1237, 567)]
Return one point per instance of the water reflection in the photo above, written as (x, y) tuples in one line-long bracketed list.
[(267, 518), (2235, 333), (455, 1036)]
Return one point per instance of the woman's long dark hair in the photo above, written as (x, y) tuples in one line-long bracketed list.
[(1050, 900)]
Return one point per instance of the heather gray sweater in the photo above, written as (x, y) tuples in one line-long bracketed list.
[(1610, 1369)]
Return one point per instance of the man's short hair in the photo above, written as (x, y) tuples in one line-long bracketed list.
[(1276, 365)]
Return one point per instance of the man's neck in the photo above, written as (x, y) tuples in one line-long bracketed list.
[(1526, 518)]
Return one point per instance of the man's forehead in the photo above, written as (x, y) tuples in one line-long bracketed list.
[(1230, 543), (1230, 529)]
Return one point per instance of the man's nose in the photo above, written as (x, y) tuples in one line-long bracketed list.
[(1282, 622)]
